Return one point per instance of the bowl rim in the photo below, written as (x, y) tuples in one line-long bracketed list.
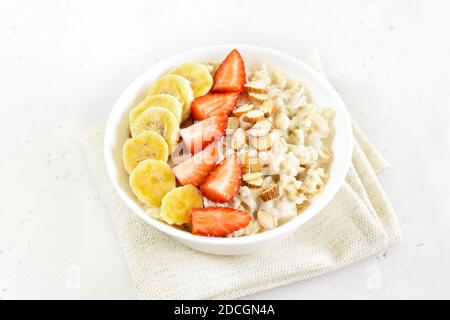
[(281, 230)]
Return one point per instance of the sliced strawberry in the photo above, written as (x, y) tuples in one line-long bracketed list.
[(211, 104), (195, 169), (223, 184), (218, 221), (202, 133), (230, 75)]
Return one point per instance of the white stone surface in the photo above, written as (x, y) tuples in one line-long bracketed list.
[(64, 63)]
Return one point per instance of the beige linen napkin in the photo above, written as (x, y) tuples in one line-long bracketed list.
[(358, 223)]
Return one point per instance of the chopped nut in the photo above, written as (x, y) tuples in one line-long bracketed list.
[(253, 116), (252, 176), (238, 139), (270, 193), (261, 128), (268, 107), (257, 183), (233, 123), (257, 98), (266, 219), (263, 143), (255, 87), (239, 111), (244, 125), (251, 164), (244, 207), (252, 228)]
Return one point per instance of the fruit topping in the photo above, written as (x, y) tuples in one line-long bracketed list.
[(151, 180), (218, 221), (195, 169), (230, 75), (178, 203), (211, 104), (200, 134), (223, 184)]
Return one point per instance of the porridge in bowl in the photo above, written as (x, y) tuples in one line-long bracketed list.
[(237, 152)]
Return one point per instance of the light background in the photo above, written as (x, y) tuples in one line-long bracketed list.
[(64, 63)]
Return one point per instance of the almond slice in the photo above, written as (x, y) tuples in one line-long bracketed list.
[(233, 123), (266, 219), (260, 128), (268, 107), (253, 116), (251, 165), (252, 176), (244, 207), (238, 139), (270, 193), (263, 143), (255, 87), (258, 98), (254, 183), (244, 125), (239, 111)]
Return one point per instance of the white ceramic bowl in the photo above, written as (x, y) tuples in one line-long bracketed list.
[(322, 93)]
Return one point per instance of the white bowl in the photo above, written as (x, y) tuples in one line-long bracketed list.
[(322, 93)]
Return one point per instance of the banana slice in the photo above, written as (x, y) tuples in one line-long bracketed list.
[(177, 204), (151, 180), (159, 120), (177, 86), (199, 76), (146, 145), (165, 101)]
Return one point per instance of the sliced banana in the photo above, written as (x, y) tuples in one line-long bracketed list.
[(177, 204), (199, 76), (151, 180), (159, 120), (166, 101), (146, 145), (177, 86)]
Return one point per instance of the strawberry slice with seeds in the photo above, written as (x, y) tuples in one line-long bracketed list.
[(197, 168), (223, 184), (200, 134), (218, 221), (230, 75), (211, 104)]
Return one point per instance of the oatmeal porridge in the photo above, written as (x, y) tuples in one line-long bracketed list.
[(227, 151)]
